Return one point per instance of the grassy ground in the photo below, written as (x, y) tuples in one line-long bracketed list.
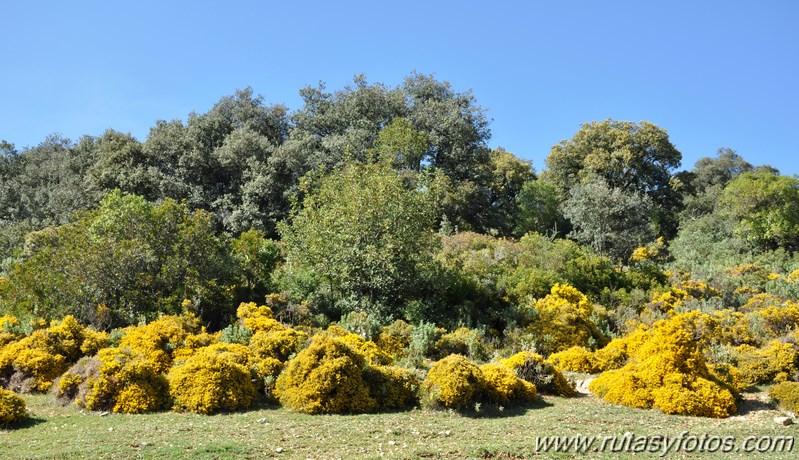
[(270, 432)]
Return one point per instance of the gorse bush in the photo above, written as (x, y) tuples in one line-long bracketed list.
[(395, 338), (787, 395), (33, 362), (533, 368), (453, 382), (157, 341), (392, 387), (257, 318), (574, 359), (774, 363), (564, 317), (667, 371), (502, 387), (118, 380), (215, 378), (12, 408), (326, 378)]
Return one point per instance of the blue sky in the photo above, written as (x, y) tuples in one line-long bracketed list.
[(712, 73)]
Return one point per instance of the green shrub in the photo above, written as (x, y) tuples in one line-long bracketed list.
[(235, 333), (12, 408)]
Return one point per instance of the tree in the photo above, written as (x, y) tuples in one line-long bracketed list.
[(539, 209), (627, 156), (704, 183), (134, 258), (765, 207), (366, 234), (613, 221)]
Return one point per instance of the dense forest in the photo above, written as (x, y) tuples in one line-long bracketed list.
[(384, 210)]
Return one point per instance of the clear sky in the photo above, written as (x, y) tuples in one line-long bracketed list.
[(712, 73)]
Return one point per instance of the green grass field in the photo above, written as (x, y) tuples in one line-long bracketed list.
[(270, 432)]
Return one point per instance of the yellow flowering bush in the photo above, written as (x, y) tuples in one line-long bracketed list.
[(8, 327), (776, 362), (668, 372), (501, 386), (12, 408), (787, 395), (278, 344), (327, 377), (728, 375), (779, 320), (117, 380), (453, 382), (373, 353), (574, 359), (395, 338), (533, 368), (760, 301), (28, 365), (257, 318), (158, 340), (392, 387), (563, 317), (615, 354), (214, 379)]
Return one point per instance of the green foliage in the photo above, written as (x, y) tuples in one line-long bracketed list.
[(236, 334), (365, 235), (539, 209), (765, 207), (134, 258), (612, 220)]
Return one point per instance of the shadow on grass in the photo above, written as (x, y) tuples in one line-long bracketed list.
[(27, 422), (748, 406), (493, 411)]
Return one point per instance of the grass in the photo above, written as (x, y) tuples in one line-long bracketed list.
[(271, 432)]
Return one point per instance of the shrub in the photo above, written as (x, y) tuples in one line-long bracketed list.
[(12, 408), (564, 317), (423, 339), (235, 333), (117, 380), (395, 338), (325, 378), (27, 365), (158, 340), (257, 318), (453, 382), (373, 353), (214, 379), (503, 387), (392, 387), (779, 320), (533, 368), (574, 359), (461, 341), (667, 371), (279, 345), (776, 362), (787, 395)]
